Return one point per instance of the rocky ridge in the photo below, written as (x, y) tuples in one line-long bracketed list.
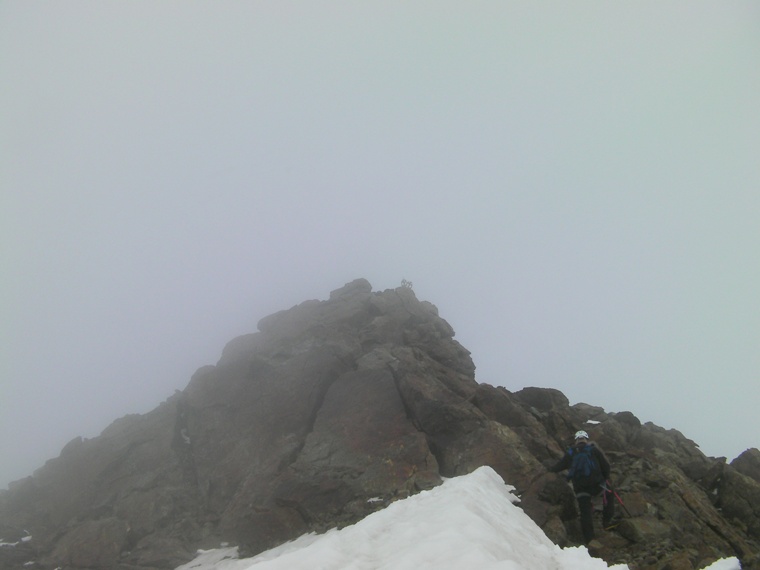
[(336, 408)]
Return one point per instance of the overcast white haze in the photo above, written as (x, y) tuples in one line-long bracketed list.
[(576, 187)]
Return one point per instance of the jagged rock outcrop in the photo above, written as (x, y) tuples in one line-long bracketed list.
[(336, 408), (748, 463)]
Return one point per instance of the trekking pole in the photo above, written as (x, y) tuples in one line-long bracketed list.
[(622, 504)]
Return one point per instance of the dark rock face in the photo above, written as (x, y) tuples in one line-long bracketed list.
[(336, 408), (748, 463)]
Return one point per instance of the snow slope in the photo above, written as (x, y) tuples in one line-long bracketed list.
[(469, 522)]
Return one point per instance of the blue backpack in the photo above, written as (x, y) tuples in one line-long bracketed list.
[(585, 468)]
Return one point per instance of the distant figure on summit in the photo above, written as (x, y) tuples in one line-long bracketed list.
[(588, 470)]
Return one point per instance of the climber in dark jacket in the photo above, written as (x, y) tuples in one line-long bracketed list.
[(588, 482)]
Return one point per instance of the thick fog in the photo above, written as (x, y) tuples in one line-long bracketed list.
[(576, 187)]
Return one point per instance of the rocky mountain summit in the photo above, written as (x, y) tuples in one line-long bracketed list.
[(336, 408)]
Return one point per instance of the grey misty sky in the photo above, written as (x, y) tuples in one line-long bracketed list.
[(577, 188)]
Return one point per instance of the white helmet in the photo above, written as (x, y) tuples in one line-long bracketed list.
[(581, 435)]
